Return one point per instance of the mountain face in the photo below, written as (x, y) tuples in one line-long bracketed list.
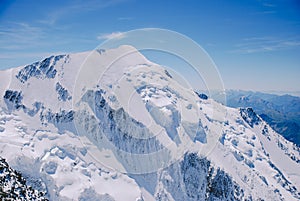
[(111, 125), (282, 113)]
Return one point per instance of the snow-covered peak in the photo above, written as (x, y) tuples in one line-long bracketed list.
[(111, 125)]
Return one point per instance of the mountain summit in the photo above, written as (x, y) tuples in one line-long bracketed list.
[(111, 125)]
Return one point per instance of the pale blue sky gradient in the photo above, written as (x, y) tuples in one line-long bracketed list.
[(254, 43)]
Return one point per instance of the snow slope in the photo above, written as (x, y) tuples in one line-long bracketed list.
[(111, 125)]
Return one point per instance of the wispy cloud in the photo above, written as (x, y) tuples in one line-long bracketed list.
[(19, 35), (125, 18), (264, 44), (265, 12), (269, 5), (51, 17), (88, 5), (112, 35), (75, 7)]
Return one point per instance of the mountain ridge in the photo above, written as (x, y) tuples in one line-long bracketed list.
[(281, 112)]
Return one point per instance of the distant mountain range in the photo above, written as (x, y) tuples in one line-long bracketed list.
[(281, 112)]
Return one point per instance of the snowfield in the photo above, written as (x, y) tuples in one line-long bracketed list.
[(111, 125)]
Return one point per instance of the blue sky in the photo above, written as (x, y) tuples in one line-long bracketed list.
[(254, 43)]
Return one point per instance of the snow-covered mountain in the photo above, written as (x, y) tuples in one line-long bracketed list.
[(111, 125)]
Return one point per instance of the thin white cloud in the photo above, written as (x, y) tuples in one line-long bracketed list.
[(270, 5), (269, 12), (75, 7), (19, 35), (51, 18), (106, 36), (265, 44), (266, 12), (88, 5), (125, 18)]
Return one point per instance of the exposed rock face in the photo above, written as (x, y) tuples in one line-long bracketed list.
[(41, 70), (13, 185), (250, 116)]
